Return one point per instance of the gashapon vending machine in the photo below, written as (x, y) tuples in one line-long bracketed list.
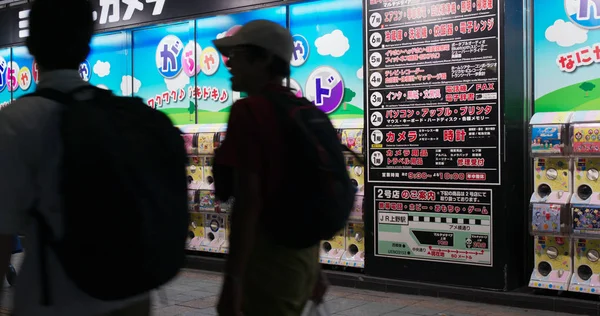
[(347, 248), (585, 202), (209, 217), (550, 222)]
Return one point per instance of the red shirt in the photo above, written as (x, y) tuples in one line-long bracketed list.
[(254, 142)]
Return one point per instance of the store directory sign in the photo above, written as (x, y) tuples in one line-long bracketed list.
[(433, 87), (433, 115)]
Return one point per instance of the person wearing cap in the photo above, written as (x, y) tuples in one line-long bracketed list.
[(262, 276)]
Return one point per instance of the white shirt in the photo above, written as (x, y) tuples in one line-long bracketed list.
[(30, 139)]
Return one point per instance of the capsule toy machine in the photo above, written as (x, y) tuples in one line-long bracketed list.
[(196, 231), (585, 202), (222, 208), (352, 136), (332, 250), (200, 142), (549, 211)]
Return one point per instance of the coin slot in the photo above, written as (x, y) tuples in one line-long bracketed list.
[(326, 247), (544, 190), (584, 272), (544, 268), (584, 192), (353, 250)]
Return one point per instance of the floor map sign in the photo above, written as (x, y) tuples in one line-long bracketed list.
[(433, 91), (434, 224), (433, 118)]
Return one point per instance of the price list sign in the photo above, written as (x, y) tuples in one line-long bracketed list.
[(434, 224), (433, 110)]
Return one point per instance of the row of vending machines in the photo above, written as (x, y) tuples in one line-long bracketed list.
[(210, 219), (565, 204)]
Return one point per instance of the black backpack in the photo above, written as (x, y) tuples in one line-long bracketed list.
[(316, 196), (124, 195)]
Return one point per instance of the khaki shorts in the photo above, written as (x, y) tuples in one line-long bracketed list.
[(279, 280)]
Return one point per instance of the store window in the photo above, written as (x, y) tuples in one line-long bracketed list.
[(5, 94), (22, 73), (328, 55), (214, 93), (108, 65), (161, 75)]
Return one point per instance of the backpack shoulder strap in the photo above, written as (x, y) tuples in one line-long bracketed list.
[(65, 98)]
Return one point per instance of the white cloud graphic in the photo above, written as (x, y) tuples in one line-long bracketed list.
[(102, 68), (359, 73), (335, 44), (566, 34), (127, 89), (221, 35), (101, 86), (571, 6), (178, 82)]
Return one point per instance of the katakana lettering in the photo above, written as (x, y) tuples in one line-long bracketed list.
[(132, 5), (105, 15)]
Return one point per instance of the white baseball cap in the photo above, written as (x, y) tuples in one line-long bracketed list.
[(265, 34)]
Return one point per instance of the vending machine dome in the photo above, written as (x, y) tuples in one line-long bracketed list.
[(585, 133), (549, 219), (548, 134), (549, 148), (585, 143)]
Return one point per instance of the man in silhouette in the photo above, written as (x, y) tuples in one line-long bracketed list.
[(263, 276), (30, 155)]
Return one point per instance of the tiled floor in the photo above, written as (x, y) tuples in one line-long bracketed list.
[(194, 293)]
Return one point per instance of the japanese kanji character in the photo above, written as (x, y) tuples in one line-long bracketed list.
[(460, 135), (448, 135)]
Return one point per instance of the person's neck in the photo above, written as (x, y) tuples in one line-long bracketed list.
[(43, 71), (258, 88)]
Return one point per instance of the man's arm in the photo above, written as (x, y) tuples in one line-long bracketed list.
[(244, 223), (5, 252), (16, 183)]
